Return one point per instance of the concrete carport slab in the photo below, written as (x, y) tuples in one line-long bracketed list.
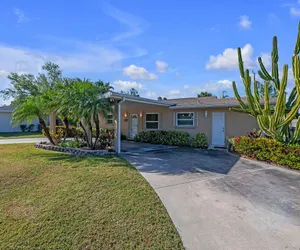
[(218, 201)]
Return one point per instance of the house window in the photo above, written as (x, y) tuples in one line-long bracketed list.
[(110, 119), (185, 119), (152, 121)]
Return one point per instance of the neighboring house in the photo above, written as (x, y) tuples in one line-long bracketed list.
[(208, 115), (6, 124)]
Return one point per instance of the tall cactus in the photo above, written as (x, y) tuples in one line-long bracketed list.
[(274, 120)]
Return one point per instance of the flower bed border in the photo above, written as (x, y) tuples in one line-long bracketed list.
[(74, 151)]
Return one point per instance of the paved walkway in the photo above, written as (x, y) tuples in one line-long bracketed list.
[(218, 201), (22, 140)]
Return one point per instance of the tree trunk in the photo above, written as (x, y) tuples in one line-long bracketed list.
[(96, 120), (67, 131), (91, 132), (85, 133), (46, 130)]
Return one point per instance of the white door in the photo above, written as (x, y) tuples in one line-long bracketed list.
[(134, 125), (218, 128)]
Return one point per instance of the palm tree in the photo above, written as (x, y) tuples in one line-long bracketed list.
[(84, 101), (29, 110)]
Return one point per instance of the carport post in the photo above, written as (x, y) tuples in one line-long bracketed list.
[(119, 126)]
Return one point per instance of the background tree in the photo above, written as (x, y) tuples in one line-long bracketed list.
[(132, 92), (162, 98), (204, 94), (30, 94)]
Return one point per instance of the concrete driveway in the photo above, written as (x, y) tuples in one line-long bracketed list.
[(218, 201)]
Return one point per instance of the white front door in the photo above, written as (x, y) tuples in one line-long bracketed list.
[(134, 125), (218, 128)]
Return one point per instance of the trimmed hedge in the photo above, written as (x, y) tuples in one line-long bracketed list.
[(268, 150), (172, 138)]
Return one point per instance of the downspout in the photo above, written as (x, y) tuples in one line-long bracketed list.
[(119, 125)]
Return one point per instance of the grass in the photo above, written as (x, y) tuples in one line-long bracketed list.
[(16, 135), (51, 200)]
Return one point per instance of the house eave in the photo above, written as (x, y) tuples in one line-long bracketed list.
[(208, 106), (119, 96)]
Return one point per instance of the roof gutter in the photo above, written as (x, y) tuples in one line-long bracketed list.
[(207, 106)]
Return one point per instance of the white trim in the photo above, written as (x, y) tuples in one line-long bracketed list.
[(158, 119), (182, 126), (212, 130)]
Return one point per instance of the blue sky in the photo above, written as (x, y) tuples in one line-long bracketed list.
[(161, 48)]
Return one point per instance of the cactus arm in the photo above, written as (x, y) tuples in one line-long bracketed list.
[(296, 136), (275, 74), (241, 63), (240, 110), (266, 110), (263, 73), (292, 97), (281, 100), (237, 96), (250, 98), (257, 98), (297, 46)]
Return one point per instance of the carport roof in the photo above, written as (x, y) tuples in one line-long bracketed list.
[(119, 96)]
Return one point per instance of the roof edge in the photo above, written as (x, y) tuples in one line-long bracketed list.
[(120, 96)]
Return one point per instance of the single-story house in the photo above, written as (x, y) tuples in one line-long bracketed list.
[(6, 118), (208, 115)]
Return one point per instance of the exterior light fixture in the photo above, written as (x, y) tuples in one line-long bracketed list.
[(126, 114), (141, 114), (205, 114)]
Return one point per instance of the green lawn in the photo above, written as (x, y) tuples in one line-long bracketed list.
[(15, 135), (51, 200)]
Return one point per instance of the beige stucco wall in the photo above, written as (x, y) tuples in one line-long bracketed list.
[(235, 123)]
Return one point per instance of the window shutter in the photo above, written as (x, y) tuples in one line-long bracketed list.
[(197, 119)]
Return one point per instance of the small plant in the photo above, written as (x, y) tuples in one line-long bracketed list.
[(23, 127), (254, 134), (69, 144), (200, 141)]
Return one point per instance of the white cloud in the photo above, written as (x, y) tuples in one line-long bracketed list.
[(294, 11), (138, 73), (245, 22), (186, 86), (174, 92), (134, 26), (151, 94), (229, 60), (126, 85), (20, 15), (178, 74), (161, 66)]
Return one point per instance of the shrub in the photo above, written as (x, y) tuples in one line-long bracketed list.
[(23, 127), (123, 137), (268, 150), (69, 144), (61, 130), (172, 138), (105, 139), (30, 127), (200, 141)]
